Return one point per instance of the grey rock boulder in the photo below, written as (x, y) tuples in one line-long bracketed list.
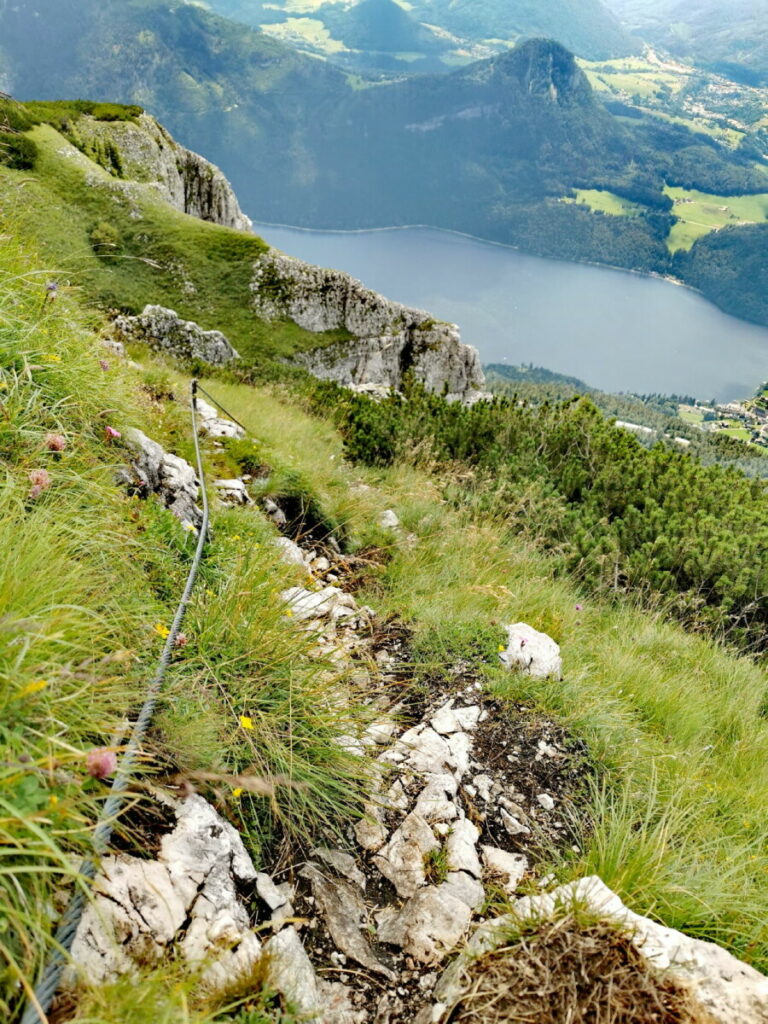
[(187, 898), (165, 331), (153, 470)]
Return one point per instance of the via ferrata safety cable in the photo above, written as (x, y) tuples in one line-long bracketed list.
[(40, 1000)]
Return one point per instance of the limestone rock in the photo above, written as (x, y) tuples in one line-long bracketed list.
[(211, 424), (342, 863), (290, 971), (506, 868), (155, 471), (402, 859), (465, 888), (429, 925), (290, 552), (388, 520), (534, 653), (186, 898), (390, 338), (164, 330), (149, 154), (731, 991), (232, 492), (343, 908), (330, 602), (460, 848)]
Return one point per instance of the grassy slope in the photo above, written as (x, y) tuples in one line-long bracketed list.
[(699, 213), (89, 579), (201, 270), (673, 721)]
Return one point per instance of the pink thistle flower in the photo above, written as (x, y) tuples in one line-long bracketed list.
[(40, 480), (104, 365), (101, 762), (55, 442), (111, 434), (181, 640), (578, 607)]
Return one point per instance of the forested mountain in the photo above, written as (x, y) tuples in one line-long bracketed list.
[(584, 26), (386, 34), (730, 38), (494, 149)]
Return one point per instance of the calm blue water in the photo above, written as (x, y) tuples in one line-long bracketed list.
[(616, 331)]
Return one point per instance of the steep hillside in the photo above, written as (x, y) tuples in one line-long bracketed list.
[(102, 189), (344, 633)]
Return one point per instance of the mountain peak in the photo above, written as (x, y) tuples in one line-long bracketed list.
[(546, 69)]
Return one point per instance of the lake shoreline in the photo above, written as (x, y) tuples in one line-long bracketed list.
[(577, 317), (501, 245)]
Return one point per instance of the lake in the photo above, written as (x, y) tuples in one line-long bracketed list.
[(615, 330)]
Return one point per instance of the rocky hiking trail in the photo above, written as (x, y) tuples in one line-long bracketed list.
[(468, 798)]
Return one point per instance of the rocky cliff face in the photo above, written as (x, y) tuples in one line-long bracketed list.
[(148, 153), (387, 341)]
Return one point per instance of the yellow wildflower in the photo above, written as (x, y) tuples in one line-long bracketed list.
[(30, 688), (189, 527), (236, 537), (502, 648), (288, 612), (3, 385), (246, 722), (52, 357), (209, 593), (237, 793), (162, 630), (53, 800)]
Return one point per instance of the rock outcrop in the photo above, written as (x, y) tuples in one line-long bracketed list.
[(153, 470), (387, 339), (186, 899), (164, 330), (148, 153)]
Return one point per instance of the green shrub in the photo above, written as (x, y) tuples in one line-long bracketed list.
[(17, 151), (104, 238)]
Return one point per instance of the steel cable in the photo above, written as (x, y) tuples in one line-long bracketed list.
[(40, 1000)]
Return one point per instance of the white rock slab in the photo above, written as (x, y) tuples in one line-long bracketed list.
[(532, 652), (460, 848), (730, 990)]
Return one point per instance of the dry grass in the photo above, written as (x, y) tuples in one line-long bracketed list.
[(570, 971)]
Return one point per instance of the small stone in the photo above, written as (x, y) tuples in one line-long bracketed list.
[(508, 868), (343, 863), (545, 800), (402, 859), (512, 825), (465, 888), (429, 925), (460, 848), (388, 520), (269, 892), (290, 552)]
